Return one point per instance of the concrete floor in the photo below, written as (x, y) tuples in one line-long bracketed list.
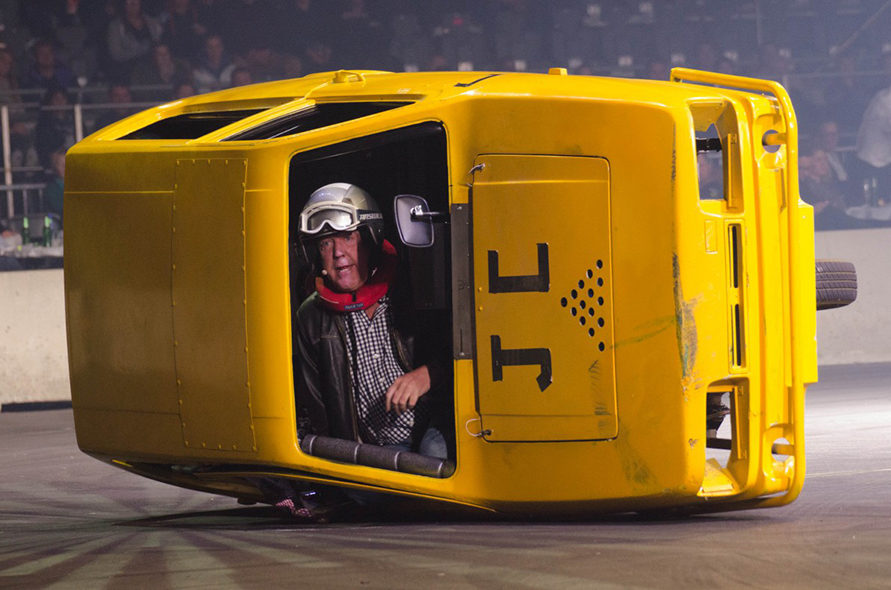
[(68, 521)]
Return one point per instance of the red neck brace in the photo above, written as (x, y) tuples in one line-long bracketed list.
[(368, 294)]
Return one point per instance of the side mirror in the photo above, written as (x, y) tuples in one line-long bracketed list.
[(414, 221)]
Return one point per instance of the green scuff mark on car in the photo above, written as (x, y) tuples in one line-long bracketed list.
[(688, 341)]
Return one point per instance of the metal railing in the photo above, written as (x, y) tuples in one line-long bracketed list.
[(29, 191), (80, 120)]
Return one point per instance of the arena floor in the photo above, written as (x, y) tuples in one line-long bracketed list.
[(68, 521)]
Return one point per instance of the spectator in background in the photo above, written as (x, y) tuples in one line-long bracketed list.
[(55, 183), (9, 85), (658, 70), (100, 15), (820, 190), (46, 72), (184, 89), (161, 70), (214, 70), (55, 125), (360, 42), (318, 58), (846, 96), (302, 23), (183, 32), (707, 57), (827, 141), (130, 38), (773, 64), (247, 24), (241, 76), (874, 141), (728, 66), (292, 67), (120, 96), (263, 63)]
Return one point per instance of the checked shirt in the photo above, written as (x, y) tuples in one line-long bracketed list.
[(373, 368)]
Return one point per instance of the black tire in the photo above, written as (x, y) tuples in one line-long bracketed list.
[(836, 284)]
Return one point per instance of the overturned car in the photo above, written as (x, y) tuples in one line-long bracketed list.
[(622, 338)]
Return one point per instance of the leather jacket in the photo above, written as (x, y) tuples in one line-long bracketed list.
[(325, 395)]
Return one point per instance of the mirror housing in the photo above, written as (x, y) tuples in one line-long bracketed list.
[(414, 221)]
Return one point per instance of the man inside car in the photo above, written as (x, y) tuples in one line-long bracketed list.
[(363, 375)]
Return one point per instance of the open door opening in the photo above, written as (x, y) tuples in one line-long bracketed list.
[(411, 160)]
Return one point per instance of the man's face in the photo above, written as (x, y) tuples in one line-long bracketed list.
[(344, 260), (829, 136), (44, 55)]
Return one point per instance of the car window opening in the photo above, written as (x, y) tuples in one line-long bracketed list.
[(190, 125), (314, 117), (710, 165), (411, 160)]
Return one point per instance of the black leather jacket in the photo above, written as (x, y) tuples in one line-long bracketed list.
[(324, 390)]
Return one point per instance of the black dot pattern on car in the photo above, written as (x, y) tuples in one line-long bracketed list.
[(585, 303)]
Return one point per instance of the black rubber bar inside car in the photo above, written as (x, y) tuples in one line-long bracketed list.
[(347, 451)]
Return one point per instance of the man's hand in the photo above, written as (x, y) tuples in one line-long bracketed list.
[(406, 390)]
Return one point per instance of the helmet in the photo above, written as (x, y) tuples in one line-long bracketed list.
[(340, 207)]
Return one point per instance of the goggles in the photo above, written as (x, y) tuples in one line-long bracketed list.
[(337, 216)]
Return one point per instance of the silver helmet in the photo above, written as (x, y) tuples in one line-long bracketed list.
[(340, 207)]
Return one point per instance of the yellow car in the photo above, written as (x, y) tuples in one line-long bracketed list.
[(626, 266)]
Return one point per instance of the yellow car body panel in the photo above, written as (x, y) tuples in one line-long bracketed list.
[(179, 300)]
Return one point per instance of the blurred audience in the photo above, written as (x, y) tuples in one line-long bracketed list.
[(214, 70), (161, 70), (55, 183), (120, 96), (874, 144), (241, 76), (183, 31), (130, 37), (55, 125), (184, 47), (47, 72), (9, 84)]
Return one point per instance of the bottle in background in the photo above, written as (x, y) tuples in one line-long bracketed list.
[(47, 232), (26, 231)]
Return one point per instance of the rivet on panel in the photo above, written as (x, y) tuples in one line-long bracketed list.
[(480, 308), (255, 448), (179, 382), (244, 302), (180, 402), (242, 267), (242, 233), (174, 267), (174, 230), (219, 447), (252, 426), (187, 443), (480, 289), (173, 303), (245, 348), (203, 445), (175, 343), (234, 448)]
